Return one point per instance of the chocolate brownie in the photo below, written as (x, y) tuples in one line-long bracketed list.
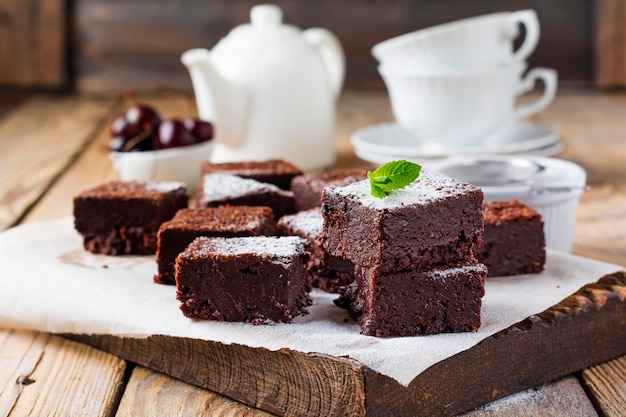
[(513, 240), (122, 218), (257, 279), (434, 220), (327, 272), (443, 299), (175, 235), (275, 171), (307, 189), (227, 189)]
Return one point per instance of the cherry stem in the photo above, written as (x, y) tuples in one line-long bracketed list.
[(127, 97), (139, 138)]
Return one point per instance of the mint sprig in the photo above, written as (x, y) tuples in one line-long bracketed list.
[(392, 176)]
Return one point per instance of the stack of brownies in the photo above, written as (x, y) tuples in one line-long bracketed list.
[(415, 272), (262, 234)]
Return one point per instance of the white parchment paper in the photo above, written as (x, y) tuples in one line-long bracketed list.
[(49, 283)]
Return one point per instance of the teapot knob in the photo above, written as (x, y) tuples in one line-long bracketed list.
[(264, 15)]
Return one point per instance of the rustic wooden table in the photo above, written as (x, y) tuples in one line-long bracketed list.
[(53, 147)]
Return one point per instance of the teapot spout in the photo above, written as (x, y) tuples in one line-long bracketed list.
[(219, 100)]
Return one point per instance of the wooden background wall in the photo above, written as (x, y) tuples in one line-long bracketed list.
[(109, 45), (33, 49)]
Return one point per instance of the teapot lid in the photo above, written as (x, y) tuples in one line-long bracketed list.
[(266, 21), (266, 15)]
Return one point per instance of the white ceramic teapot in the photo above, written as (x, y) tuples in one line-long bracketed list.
[(270, 89)]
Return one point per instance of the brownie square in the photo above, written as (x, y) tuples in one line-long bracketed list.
[(307, 189), (275, 171), (513, 241), (444, 299), (226, 189), (175, 235), (122, 218), (257, 279), (327, 272), (434, 220)]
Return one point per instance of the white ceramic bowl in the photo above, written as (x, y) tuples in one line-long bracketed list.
[(175, 164), (549, 185)]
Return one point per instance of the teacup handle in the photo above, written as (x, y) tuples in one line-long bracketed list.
[(549, 78), (528, 18)]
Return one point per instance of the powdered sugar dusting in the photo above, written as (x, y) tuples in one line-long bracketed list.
[(221, 186), (428, 187), (165, 186), (276, 249), (309, 222), (514, 401), (444, 274)]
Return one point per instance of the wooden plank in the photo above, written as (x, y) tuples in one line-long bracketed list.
[(601, 225), (38, 141), (610, 43), (117, 50), (587, 328), (564, 397), (152, 394), (283, 382), (606, 384), (37, 371), (32, 51)]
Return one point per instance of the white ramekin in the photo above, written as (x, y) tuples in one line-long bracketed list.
[(174, 164), (549, 185)]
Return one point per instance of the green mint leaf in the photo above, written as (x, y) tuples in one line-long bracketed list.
[(392, 176), (383, 179), (377, 191)]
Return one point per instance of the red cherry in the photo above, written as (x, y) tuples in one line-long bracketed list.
[(122, 127), (200, 129), (134, 129), (173, 134), (143, 116)]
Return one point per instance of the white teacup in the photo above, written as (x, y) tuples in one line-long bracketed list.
[(476, 42), (459, 108)]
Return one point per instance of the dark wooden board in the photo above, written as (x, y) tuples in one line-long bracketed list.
[(585, 329)]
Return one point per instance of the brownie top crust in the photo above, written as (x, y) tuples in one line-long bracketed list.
[(307, 188), (222, 186), (223, 218), (496, 212), (304, 223), (319, 181), (252, 168), (134, 189), (428, 188), (277, 249)]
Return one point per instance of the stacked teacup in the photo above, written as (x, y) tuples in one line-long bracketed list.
[(455, 85)]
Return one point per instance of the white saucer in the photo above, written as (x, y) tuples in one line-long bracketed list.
[(385, 141)]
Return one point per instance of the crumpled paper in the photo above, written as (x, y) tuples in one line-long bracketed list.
[(49, 283)]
